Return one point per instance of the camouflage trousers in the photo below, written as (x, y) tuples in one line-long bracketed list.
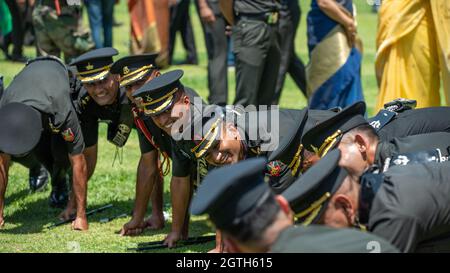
[(60, 34)]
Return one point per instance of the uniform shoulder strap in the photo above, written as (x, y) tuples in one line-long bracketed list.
[(48, 57), (381, 119)]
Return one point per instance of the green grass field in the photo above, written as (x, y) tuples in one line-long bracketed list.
[(27, 214)]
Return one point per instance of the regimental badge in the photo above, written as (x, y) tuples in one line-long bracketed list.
[(126, 70), (148, 98), (68, 135), (274, 169), (89, 66)]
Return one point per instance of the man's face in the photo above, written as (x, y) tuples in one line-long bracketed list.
[(309, 159), (342, 209), (228, 149), (104, 92), (131, 88), (351, 157), (177, 114)]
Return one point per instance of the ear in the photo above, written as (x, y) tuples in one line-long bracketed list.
[(284, 205), (156, 73), (231, 128), (361, 143), (230, 245), (186, 99), (343, 202)]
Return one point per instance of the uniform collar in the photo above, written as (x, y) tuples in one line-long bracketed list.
[(371, 182)]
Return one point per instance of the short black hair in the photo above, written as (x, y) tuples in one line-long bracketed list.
[(367, 130), (251, 227)]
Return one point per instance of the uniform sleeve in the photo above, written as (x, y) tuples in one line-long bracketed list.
[(401, 230), (72, 134), (144, 144), (89, 127), (181, 164)]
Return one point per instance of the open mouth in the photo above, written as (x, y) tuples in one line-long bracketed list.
[(169, 125), (224, 159), (101, 94)]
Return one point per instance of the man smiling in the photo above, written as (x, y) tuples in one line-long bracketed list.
[(171, 105), (155, 146), (101, 99)]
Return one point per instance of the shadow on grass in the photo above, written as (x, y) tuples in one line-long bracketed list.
[(197, 227), (16, 196), (34, 217)]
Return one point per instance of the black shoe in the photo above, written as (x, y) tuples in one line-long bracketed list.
[(18, 58), (186, 62), (117, 24), (38, 178), (60, 194), (58, 199)]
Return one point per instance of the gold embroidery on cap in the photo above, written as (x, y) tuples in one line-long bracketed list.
[(295, 163), (214, 133), (327, 144), (313, 210)]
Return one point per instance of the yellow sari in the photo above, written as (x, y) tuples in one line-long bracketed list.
[(413, 43)]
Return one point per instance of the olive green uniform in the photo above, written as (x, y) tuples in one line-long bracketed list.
[(56, 33), (257, 51), (44, 85), (323, 239), (410, 206), (413, 149), (118, 116)]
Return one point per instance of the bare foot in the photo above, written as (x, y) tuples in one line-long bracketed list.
[(214, 250), (67, 214), (155, 222)]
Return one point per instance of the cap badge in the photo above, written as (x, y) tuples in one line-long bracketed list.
[(89, 66), (126, 70)]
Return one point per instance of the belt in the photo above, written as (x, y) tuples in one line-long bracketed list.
[(52, 3), (270, 18)]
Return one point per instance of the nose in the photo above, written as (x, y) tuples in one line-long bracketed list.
[(132, 88), (97, 87), (161, 119)]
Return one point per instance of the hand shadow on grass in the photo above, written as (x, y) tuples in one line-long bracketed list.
[(35, 216)]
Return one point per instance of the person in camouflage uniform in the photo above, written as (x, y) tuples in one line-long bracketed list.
[(58, 29)]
